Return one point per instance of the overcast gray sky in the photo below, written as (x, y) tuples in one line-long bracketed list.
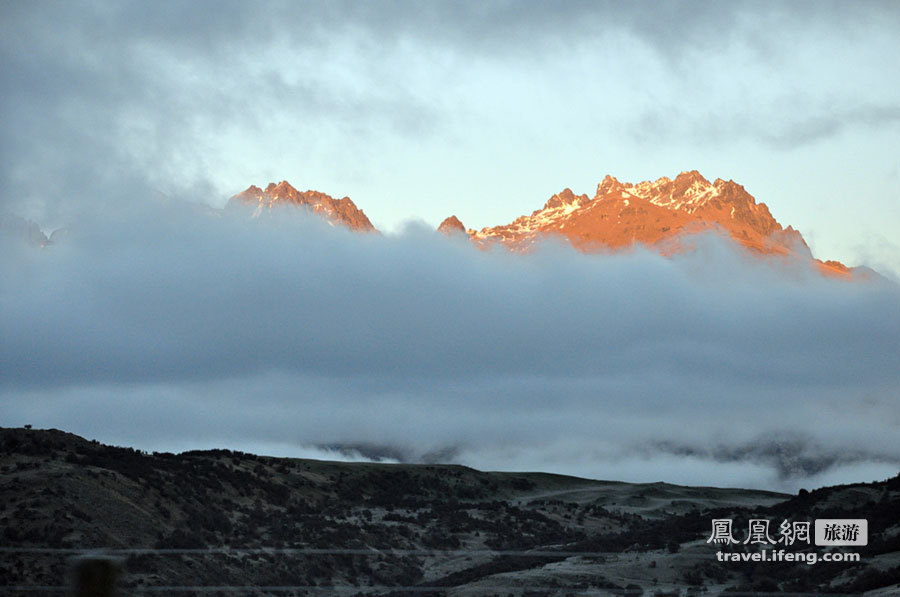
[(158, 325)]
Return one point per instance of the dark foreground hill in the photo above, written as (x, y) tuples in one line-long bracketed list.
[(253, 525)]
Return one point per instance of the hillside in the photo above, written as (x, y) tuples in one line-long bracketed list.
[(369, 528)]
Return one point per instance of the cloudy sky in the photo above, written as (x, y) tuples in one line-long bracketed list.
[(417, 110), (162, 326)]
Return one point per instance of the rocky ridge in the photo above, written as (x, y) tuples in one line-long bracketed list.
[(660, 215), (337, 211), (451, 226), (656, 214)]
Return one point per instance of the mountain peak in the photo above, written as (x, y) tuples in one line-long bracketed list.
[(686, 192), (564, 198), (691, 176), (451, 226), (608, 185), (282, 190), (337, 211)]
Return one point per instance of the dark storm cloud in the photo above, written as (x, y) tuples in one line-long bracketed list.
[(168, 325)]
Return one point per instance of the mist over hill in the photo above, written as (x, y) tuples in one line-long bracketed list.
[(233, 519)]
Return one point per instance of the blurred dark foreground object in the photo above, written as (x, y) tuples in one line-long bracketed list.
[(94, 575)]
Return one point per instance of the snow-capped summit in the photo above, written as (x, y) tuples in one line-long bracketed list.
[(655, 214)]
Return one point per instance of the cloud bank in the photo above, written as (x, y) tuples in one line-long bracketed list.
[(170, 327)]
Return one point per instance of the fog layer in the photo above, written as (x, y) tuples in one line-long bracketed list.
[(168, 327)]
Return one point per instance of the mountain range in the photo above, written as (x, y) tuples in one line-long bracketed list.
[(660, 215), (657, 214)]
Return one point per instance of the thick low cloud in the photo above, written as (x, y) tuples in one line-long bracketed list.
[(170, 327)]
